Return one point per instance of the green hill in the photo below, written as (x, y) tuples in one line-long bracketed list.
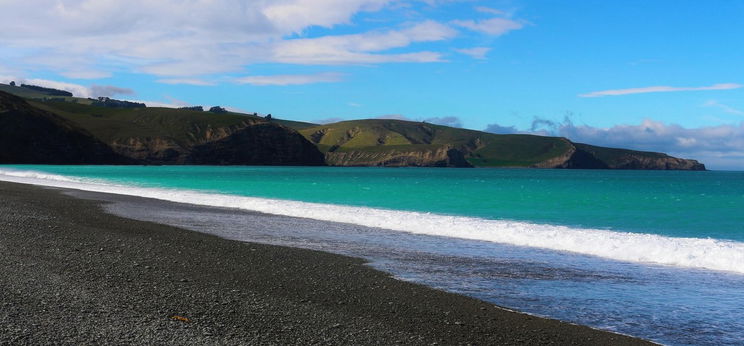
[(156, 135), (30, 135), (183, 136), (385, 142)]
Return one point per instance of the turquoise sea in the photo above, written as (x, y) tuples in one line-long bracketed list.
[(657, 254)]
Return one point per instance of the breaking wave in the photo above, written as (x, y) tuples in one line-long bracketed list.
[(701, 253)]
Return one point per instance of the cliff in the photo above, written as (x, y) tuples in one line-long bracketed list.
[(59, 132), (402, 157), (84, 132), (588, 156), (32, 136), (259, 144), (385, 142)]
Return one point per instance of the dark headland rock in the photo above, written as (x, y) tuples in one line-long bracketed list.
[(258, 144), (32, 136)]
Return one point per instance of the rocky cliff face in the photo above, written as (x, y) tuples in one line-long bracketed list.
[(578, 156), (251, 144), (259, 144), (156, 150), (158, 136), (583, 156), (33, 136), (440, 157)]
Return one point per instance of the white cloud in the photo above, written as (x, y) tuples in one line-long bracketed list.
[(6, 79), (493, 26), (160, 103), (187, 81), (297, 79), (658, 89), (719, 147), (178, 39), (85, 74), (109, 90), (297, 15), (723, 107), (77, 90), (476, 52), (489, 10), (360, 48)]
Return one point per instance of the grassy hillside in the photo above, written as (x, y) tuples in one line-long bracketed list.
[(178, 136), (483, 149), (32, 135), (70, 106), (111, 124), (167, 135), (38, 95), (297, 125)]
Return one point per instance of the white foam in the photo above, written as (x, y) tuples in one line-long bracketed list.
[(631, 247)]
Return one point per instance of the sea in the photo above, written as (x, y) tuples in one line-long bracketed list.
[(653, 254)]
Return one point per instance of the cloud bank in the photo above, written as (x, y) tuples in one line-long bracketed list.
[(719, 147), (659, 89), (77, 90), (298, 79), (181, 41), (478, 53)]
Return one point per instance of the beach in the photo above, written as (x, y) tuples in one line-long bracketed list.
[(72, 274)]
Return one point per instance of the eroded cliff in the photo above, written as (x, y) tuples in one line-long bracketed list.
[(33, 136)]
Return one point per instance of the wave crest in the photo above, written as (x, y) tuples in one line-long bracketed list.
[(622, 246)]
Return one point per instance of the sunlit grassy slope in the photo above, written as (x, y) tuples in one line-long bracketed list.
[(484, 149), (361, 140), (111, 124)]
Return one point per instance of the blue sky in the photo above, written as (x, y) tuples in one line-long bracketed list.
[(650, 75)]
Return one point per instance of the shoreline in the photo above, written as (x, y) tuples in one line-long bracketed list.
[(608, 241), (72, 273)]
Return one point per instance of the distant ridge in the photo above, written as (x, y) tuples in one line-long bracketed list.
[(153, 135), (387, 142), (47, 91)]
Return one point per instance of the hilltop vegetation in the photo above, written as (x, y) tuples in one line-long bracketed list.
[(29, 135), (399, 143), (385, 142), (192, 136), (153, 135)]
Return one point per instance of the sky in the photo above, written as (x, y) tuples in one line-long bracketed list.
[(662, 75)]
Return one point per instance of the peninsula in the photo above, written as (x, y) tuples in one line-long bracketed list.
[(47, 126)]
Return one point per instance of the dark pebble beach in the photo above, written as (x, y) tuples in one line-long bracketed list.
[(71, 273)]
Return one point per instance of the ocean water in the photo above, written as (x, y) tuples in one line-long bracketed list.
[(658, 255)]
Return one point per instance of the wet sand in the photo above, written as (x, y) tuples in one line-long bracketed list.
[(73, 274)]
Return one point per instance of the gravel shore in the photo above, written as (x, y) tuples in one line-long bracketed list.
[(73, 274)]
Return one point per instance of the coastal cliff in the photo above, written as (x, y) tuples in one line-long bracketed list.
[(584, 156), (84, 131), (436, 157), (259, 144), (396, 143), (55, 131), (32, 136)]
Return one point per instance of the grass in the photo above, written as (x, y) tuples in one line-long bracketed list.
[(110, 124), (188, 127), (614, 155), (483, 149)]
